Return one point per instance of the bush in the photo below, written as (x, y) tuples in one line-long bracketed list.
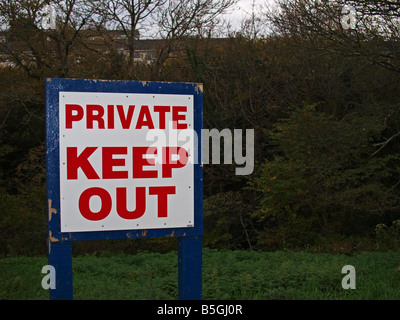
[(325, 180)]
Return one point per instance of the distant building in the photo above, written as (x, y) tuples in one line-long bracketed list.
[(145, 50)]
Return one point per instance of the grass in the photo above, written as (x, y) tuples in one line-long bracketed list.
[(226, 275)]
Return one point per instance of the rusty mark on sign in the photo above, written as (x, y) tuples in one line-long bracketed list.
[(51, 210), (199, 88), (51, 238)]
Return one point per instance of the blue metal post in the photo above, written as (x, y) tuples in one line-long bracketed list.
[(60, 257), (190, 267)]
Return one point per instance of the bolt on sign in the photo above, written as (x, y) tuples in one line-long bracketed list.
[(123, 160)]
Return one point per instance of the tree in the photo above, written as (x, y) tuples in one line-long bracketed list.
[(129, 16), (170, 20), (180, 19), (44, 52), (366, 29), (372, 38), (324, 180)]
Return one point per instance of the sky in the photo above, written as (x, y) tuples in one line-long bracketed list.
[(243, 9), (240, 10)]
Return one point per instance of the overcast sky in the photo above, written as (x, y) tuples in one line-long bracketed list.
[(235, 15), (243, 9)]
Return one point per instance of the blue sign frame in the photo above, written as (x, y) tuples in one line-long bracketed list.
[(60, 244)]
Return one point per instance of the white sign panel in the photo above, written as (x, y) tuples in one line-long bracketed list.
[(126, 161)]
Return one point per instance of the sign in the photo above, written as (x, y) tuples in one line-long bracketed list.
[(122, 164), (123, 161)]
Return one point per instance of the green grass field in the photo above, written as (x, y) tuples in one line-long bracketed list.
[(226, 275)]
